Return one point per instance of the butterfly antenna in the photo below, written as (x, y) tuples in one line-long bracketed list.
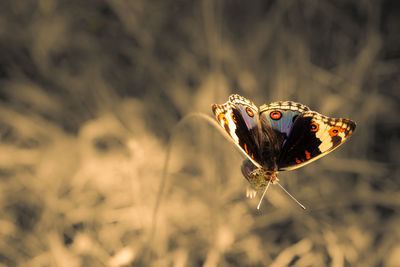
[(295, 200), (262, 197)]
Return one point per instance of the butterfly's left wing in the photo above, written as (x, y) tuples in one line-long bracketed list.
[(239, 117), (312, 136)]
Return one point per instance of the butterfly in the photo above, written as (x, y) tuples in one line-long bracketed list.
[(281, 136)]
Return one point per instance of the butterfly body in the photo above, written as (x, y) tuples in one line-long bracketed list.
[(281, 136)]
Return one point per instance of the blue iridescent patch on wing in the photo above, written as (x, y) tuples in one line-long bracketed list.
[(283, 123)]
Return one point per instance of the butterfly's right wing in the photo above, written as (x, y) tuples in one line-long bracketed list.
[(298, 143), (313, 136)]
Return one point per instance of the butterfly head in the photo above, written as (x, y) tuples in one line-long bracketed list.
[(257, 177)]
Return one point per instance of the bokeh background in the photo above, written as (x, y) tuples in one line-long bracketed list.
[(96, 171)]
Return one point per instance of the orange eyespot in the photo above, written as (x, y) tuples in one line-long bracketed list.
[(314, 127), (249, 112), (222, 119), (275, 115), (233, 118), (334, 131)]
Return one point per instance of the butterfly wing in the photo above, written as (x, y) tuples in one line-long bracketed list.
[(240, 119), (281, 116), (312, 136)]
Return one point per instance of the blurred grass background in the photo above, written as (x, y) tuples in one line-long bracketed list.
[(91, 90)]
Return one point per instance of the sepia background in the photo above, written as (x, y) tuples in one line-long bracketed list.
[(96, 168)]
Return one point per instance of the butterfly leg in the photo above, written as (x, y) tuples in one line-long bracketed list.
[(250, 192)]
